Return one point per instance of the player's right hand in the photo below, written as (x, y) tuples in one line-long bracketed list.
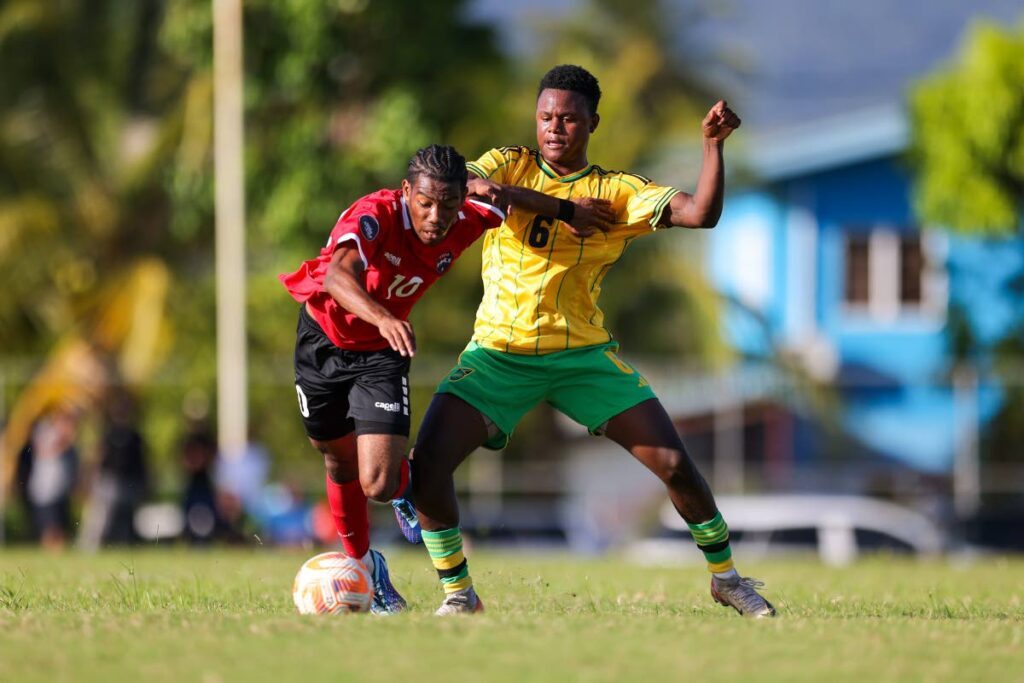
[(490, 192), (591, 214), (399, 335)]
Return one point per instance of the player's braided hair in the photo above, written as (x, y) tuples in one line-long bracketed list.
[(440, 162), (574, 79)]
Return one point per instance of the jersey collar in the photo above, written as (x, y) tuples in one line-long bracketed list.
[(406, 220), (550, 172)]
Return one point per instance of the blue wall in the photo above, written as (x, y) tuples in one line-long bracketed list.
[(893, 374)]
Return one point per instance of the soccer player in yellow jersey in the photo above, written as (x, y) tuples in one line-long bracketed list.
[(539, 333)]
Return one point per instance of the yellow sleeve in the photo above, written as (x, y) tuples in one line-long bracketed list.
[(495, 164), (647, 203)]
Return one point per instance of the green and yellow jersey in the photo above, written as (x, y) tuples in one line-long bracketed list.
[(541, 284)]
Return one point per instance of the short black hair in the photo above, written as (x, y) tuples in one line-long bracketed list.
[(440, 162), (574, 79)]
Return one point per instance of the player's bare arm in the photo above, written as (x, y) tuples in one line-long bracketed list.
[(703, 208), (589, 214), (343, 283)]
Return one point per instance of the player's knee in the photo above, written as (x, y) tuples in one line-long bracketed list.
[(426, 462), (380, 485), (336, 468), (675, 468)]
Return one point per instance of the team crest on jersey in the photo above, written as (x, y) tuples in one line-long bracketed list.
[(460, 373), (444, 261), (369, 227)]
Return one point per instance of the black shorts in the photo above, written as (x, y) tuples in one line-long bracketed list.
[(340, 391)]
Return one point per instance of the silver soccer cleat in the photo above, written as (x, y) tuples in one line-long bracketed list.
[(740, 594), (463, 602)]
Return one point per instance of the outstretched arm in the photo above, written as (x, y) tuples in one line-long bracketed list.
[(703, 208), (344, 282), (588, 214)]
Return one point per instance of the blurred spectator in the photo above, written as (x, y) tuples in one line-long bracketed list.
[(287, 517), (203, 521), (122, 482), (241, 478), (46, 477)]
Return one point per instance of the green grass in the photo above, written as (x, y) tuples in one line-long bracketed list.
[(227, 616)]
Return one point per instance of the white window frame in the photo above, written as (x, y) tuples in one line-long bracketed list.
[(884, 306)]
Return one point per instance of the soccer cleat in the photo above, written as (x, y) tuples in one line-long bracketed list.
[(463, 602), (408, 522), (386, 600), (740, 594)]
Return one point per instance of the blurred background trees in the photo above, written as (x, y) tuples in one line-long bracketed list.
[(968, 151), (106, 198)]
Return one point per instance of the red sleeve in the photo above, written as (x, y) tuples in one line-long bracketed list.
[(362, 223), (489, 216)]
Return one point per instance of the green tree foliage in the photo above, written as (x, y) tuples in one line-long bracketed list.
[(968, 150), (89, 115), (968, 135), (106, 160), (106, 157)]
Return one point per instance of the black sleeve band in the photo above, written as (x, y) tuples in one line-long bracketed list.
[(566, 210)]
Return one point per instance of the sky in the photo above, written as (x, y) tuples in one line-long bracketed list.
[(796, 60)]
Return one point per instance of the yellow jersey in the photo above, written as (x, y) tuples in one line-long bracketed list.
[(541, 284)]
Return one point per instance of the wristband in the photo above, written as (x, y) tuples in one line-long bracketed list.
[(566, 210)]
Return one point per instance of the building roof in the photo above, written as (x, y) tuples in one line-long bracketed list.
[(817, 84), (791, 61), (828, 142)]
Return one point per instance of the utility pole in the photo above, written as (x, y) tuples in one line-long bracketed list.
[(3, 464), (966, 464), (229, 180), (728, 463)]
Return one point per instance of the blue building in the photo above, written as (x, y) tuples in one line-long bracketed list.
[(820, 257)]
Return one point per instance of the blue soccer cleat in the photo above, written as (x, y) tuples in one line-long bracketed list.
[(386, 600), (408, 522)]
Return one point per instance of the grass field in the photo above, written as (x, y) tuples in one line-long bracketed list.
[(227, 616)]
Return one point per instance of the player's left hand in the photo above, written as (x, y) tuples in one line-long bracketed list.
[(720, 122)]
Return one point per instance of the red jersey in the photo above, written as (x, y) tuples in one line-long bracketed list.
[(398, 267)]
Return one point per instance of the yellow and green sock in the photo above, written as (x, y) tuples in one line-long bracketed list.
[(445, 548), (712, 537)]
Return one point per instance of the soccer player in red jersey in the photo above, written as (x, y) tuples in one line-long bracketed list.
[(354, 341)]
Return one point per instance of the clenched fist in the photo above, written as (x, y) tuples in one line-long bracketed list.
[(720, 122)]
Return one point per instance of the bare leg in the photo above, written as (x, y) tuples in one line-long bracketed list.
[(340, 458), (380, 460), (451, 430), (646, 431)]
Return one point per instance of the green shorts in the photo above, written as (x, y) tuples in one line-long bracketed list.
[(589, 384)]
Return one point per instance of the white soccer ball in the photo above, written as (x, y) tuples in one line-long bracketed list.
[(332, 583)]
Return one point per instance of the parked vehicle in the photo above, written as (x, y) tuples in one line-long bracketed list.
[(837, 527)]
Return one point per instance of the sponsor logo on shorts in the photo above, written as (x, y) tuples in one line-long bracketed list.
[(369, 227), (444, 261), (390, 407), (460, 373)]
